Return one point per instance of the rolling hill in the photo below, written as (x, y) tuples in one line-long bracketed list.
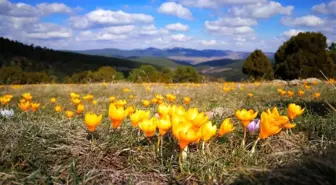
[(159, 61), (192, 56), (217, 63), (230, 70), (32, 58)]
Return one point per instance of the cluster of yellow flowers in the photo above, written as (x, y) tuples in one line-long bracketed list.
[(191, 126), (229, 86), (171, 98), (300, 93), (271, 122), (5, 99), (187, 126), (26, 103), (75, 99), (158, 99)]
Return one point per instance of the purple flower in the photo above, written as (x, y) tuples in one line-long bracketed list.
[(253, 126)]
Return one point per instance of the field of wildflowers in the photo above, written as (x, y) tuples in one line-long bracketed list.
[(211, 133)]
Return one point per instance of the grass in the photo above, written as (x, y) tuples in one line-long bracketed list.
[(47, 148)]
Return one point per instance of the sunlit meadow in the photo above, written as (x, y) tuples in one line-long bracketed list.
[(121, 133)]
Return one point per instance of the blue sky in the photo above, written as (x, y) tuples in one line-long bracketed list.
[(240, 25)]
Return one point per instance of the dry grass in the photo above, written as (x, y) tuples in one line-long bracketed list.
[(46, 148)]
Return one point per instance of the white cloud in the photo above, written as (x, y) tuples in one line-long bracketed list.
[(120, 29), (47, 31), (230, 30), (224, 42), (111, 37), (107, 34), (208, 42), (17, 22), (230, 26), (261, 10), (26, 28), (102, 17), (308, 20), (46, 8), (49, 35), (150, 30), (180, 38), (239, 39), (177, 27), (26, 10), (232, 22), (113, 33), (172, 8), (17, 10), (329, 42), (324, 8), (217, 3), (292, 32)]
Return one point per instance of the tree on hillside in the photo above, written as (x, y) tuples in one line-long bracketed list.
[(332, 46), (332, 52), (106, 74), (186, 74), (303, 56), (166, 75), (80, 77), (146, 73), (11, 75), (36, 77), (257, 66)]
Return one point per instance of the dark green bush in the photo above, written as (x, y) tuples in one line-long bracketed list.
[(257, 66), (303, 56)]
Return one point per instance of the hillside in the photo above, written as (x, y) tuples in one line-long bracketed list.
[(159, 61), (58, 63), (217, 63), (230, 71), (192, 56)]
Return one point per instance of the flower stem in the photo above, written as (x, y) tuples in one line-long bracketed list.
[(243, 142), (161, 145), (159, 141), (203, 146), (92, 141), (181, 161), (254, 145)]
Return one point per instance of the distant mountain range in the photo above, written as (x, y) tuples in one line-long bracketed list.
[(213, 63), (191, 56)]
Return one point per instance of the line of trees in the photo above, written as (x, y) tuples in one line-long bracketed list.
[(302, 56), (146, 73)]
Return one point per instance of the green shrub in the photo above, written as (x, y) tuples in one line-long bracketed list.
[(36, 77), (258, 66), (303, 56), (146, 73), (11, 75), (186, 74)]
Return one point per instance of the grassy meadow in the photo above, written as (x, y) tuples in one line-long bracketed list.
[(46, 147)]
